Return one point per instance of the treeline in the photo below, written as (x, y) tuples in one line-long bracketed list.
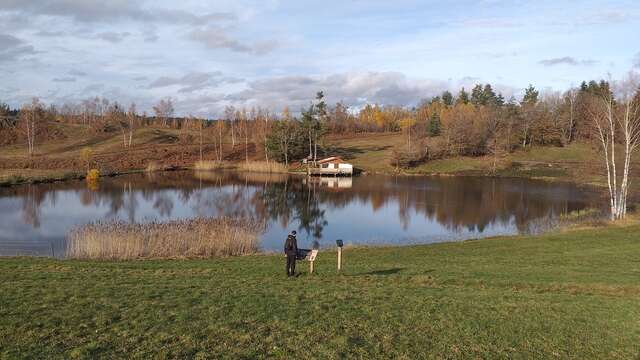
[(479, 122)]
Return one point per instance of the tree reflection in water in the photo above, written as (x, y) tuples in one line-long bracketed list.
[(455, 204)]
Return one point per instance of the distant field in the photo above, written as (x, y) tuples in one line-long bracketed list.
[(568, 295)]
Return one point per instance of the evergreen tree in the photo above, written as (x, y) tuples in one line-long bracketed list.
[(489, 96), (530, 96), (447, 98), (463, 97), (434, 125), (477, 95)]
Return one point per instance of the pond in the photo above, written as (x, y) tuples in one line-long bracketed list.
[(366, 210)]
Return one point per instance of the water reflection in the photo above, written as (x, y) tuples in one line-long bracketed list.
[(364, 210)]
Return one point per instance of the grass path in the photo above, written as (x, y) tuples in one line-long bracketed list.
[(566, 295)]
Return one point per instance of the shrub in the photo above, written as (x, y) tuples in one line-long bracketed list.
[(93, 175), (407, 159)]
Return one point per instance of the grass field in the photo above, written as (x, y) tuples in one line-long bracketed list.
[(565, 295)]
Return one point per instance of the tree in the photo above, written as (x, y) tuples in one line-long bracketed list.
[(407, 125), (611, 119), (86, 154), (529, 113), (570, 99), (131, 118), (434, 125), (286, 139), (164, 110), (230, 116), (463, 97), (314, 122), (30, 115), (447, 98)]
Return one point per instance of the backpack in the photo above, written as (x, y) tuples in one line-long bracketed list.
[(288, 245)]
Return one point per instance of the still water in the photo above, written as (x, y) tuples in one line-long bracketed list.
[(34, 219)]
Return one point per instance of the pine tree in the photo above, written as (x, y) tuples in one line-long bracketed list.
[(447, 98), (530, 95), (434, 125), (463, 97)]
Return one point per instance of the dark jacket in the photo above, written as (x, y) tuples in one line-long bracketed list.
[(291, 245)]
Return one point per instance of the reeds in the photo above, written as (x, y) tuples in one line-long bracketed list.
[(262, 166), (189, 238), (153, 166), (206, 165)]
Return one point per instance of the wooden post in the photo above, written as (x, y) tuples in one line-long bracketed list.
[(340, 258), (310, 267)]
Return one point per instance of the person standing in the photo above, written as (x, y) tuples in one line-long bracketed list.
[(291, 250)]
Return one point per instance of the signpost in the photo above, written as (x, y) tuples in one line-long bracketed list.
[(308, 255), (340, 244)]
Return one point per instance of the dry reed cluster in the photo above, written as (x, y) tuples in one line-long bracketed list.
[(262, 166), (189, 238), (205, 165), (153, 166)]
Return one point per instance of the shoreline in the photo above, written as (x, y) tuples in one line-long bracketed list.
[(63, 175)]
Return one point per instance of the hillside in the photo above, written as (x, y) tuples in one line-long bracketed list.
[(170, 148)]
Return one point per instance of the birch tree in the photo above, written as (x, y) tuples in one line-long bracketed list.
[(29, 117), (617, 124), (131, 118)]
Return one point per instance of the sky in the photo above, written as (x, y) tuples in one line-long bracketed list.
[(206, 55)]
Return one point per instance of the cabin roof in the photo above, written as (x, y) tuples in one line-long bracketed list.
[(332, 159)]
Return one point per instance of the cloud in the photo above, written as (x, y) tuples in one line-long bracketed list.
[(110, 10), (193, 81), (93, 88), (45, 33), (112, 37), (566, 60), (354, 89), (140, 78), (64, 79), (606, 17), (215, 38), (12, 48), (636, 61), (75, 72), (150, 37)]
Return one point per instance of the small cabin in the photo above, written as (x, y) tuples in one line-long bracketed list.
[(331, 166)]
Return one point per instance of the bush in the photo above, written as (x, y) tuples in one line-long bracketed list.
[(407, 159), (93, 175)]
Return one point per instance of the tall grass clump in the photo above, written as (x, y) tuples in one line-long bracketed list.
[(189, 238), (153, 166), (262, 166), (207, 165)]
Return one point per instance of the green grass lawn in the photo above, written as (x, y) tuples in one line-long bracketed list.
[(566, 295)]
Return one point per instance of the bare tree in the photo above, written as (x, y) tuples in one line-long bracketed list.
[(29, 116), (164, 110), (230, 116), (610, 119), (131, 117), (570, 96)]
